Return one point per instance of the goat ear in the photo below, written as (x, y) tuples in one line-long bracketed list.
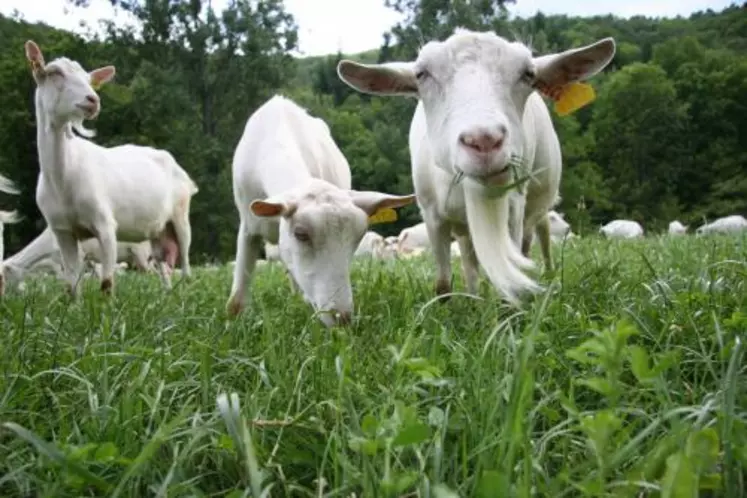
[(101, 75), (391, 78), (35, 58), (374, 202), (271, 209)]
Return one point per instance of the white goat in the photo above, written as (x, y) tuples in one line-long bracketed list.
[(43, 254), (677, 228), (137, 254), (292, 187), (389, 249), (559, 228), (478, 112), (129, 193), (414, 237), (727, 224), (372, 244), (6, 218), (622, 229)]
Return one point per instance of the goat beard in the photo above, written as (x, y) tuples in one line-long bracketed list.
[(77, 125)]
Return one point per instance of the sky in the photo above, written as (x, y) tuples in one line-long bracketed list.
[(357, 25)]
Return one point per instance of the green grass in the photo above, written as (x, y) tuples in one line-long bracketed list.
[(625, 378)]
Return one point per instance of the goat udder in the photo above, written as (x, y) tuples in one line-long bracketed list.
[(170, 250)]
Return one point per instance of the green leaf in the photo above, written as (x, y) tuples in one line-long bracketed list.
[(400, 482), (225, 442), (413, 433), (597, 384), (369, 425), (363, 445), (423, 368), (492, 484), (680, 479), (599, 428), (639, 364), (106, 452), (702, 448)]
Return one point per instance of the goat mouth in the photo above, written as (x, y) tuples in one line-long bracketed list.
[(495, 177), (89, 112)]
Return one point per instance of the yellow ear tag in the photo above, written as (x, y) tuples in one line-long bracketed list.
[(384, 215), (95, 86), (573, 97)]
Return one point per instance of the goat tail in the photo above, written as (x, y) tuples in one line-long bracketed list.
[(495, 250)]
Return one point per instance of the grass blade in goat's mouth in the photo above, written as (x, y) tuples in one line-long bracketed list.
[(517, 164)]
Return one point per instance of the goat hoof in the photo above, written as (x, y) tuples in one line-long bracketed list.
[(233, 308), (443, 287)]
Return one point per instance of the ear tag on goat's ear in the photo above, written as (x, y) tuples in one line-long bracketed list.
[(383, 215), (95, 85), (573, 97)]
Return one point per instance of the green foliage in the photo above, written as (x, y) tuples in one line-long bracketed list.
[(624, 378)]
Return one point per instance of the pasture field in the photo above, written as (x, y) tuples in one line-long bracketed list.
[(627, 378)]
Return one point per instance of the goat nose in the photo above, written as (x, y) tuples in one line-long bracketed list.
[(92, 99), (484, 141)]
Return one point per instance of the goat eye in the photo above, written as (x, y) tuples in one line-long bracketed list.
[(301, 235), (529, 76), (421, 75)]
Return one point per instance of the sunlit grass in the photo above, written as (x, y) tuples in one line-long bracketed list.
[(627, 375)]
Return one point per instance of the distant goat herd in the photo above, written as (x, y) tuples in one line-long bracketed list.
[(485, 159)]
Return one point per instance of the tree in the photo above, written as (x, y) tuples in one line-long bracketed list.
[(641, 169)]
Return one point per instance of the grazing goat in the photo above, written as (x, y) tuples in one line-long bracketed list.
[(478, 114), (677, 228), (372, 244), (85, 191), (622, 229), (292, 187), (727, 224), (43, 254), (6, 218), (559, 228), (137, 254), (411, 238)]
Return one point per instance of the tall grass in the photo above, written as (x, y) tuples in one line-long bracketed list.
[(626, 378)]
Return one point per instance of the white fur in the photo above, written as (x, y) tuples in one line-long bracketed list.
[(477, 109), (43, 255), (677, 228), (622, 229), (128, 193), (454, 249), (559, 228), (292, 187), (272, 252), (6, 218), (727, 224), (412, 238), (372, 244), (376, 246), (136, 253)]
